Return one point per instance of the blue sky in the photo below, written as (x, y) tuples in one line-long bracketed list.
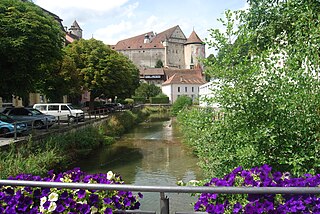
[(114, 20)]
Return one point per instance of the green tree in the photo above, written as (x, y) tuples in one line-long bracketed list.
[(103, 72), (268, 67), (64, 80), (159, 64), (147, 90), (181, 103), (30, 40)]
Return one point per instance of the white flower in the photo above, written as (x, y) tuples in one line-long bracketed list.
[(94, 210), (52, 206), (42, 209), (53, 197), (43, 200), (109, 175)]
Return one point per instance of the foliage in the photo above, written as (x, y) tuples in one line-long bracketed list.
[(159, 64), (31, 41), (64, 80), (103, 72), (129, 101), (181, 103), (48, 200), (269, 92), (54, 151), (253, 203), (147, 90), (159, 100), (139, 100)]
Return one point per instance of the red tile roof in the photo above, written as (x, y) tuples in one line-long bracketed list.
[(151, 71), (171, 71), (137, 42), (179, 78), (194, 39)]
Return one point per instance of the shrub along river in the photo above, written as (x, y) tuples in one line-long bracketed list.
[(150, 154)]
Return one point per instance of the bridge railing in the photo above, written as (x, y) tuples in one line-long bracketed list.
[(164, 200)]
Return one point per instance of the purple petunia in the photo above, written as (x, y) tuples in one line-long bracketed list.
[(36, 200), (268, 203)]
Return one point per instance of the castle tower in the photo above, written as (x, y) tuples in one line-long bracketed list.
[(194, 49), (76, 30)]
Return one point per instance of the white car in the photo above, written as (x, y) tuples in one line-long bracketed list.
[(62, 111)]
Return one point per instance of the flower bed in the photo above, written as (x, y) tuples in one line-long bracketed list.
[(55, 200), (267, 203)]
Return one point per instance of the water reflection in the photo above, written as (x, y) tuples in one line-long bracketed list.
[(151, 154)]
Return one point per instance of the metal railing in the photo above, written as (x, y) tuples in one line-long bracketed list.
[(164, 201)]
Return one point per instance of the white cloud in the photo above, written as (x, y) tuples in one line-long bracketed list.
[(110, 34), (129, 10), (93, 5)]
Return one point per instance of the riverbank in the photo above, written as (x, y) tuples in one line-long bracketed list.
[(62, 149)]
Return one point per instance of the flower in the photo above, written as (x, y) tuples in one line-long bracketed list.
[(109, 175), (267, 203), (52, 206), (44, 200), (53, 196)]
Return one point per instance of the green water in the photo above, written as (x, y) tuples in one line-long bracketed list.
[(151, 154)]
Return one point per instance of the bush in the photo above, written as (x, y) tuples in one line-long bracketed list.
[(159, 100), (181, 103), (139, 100)]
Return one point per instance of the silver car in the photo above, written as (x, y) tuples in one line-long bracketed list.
[(31, 116)]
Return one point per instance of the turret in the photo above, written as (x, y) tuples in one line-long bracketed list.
[(194, 49), (76, 30)]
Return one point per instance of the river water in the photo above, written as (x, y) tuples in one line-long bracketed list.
[(151, 154)]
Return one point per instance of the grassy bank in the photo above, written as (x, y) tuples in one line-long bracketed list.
[(58, 151)]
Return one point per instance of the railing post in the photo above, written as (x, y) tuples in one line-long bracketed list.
[(15, 130), (164, 204)]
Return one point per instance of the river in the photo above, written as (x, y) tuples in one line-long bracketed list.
[(150, 154)]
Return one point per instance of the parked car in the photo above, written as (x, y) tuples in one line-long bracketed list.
[(7, 126), (64, 111), (31, 116)]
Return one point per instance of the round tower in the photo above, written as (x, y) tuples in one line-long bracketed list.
[(76, 30), (194, 49)]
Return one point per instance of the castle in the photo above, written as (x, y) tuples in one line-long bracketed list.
[(171, 47)]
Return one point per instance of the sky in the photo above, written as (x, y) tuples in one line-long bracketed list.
[(113, 20)]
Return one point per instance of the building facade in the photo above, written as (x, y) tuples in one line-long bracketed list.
[(171, 47)]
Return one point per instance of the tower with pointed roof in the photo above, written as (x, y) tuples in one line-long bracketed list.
[(76, 30), (194, 49)]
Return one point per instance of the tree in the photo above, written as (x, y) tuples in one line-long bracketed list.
[(103, 72), (64, 80), (147, 90), (30, 40), (181, 103), (268, 68), (159, 64)]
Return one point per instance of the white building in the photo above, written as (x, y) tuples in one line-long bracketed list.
[(206, 92), (182, 84)]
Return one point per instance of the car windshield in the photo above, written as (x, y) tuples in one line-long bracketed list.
[(35, 111), (71, 107), (6, 118)]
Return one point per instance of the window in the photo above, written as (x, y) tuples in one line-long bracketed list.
[(64, 108), (53, 107), (186, 89), (192, 89), (178, 89)]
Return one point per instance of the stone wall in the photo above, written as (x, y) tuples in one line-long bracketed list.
[(145, 57)]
